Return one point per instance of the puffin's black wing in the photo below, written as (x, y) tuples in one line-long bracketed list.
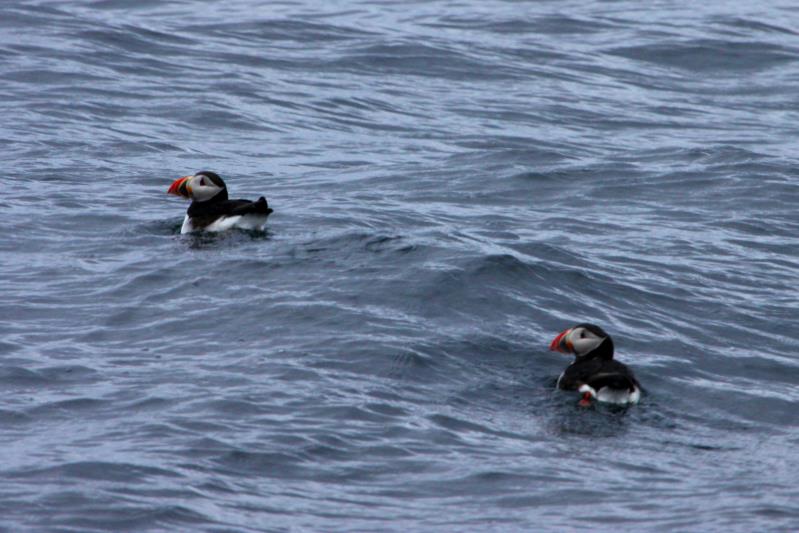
[(598, 373), (578, 373), (203, 214), (614, 379), (228, 208)]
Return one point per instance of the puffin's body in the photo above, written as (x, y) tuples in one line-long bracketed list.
[(594, 372), (211, 210)]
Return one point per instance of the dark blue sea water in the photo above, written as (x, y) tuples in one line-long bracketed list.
[(454, 183)]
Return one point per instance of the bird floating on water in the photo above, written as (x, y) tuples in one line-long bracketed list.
[(211, 210), (594, 372)]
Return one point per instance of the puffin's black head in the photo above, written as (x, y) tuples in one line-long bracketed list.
[(200, 187), (584, 339)]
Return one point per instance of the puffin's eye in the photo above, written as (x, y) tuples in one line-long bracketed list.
[(582, 334), (202, 181)]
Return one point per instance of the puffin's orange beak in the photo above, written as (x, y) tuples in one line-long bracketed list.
[(561, 343), (179, 187)]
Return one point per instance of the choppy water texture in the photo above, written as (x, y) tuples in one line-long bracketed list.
[(454, 183)]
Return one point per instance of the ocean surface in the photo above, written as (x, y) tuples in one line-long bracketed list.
[(454, 183)]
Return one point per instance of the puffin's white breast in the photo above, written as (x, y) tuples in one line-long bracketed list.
[(186, 227), (608, 395), (249, 222)]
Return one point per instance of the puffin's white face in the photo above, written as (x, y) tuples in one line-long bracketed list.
[(200, 187), (577, 340)]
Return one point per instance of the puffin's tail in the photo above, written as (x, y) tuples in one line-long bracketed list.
[(259, 208)]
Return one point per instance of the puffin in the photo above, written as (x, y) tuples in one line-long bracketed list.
[(210, 209), (594, 372)]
